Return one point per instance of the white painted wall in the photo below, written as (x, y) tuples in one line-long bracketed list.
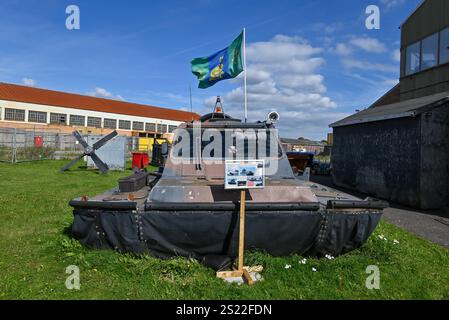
[(70, 111)]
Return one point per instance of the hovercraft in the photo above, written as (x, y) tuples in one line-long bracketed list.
[(185, 210)]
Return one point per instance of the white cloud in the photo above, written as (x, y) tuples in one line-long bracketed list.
[(349, 61), (352, 63), (368, 44), (392, 3), (343, 49), (304, 83), (281, 48), (255, 76), (328, 28), (391, 82), (397, 55), (29, 82), (377, 81), (283, 75), (103, 93)]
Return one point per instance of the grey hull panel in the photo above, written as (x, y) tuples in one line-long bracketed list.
[(198, 234)]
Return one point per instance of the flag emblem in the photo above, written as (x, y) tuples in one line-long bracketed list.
[(222, 65)]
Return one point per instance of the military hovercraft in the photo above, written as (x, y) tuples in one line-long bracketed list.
[(186, 211)]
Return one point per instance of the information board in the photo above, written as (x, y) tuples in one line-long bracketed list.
[(244, 174)]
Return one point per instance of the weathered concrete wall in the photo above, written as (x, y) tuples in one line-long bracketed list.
[(435, 158), (379, 158)]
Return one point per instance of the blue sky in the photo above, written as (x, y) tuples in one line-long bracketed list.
[(313, 61)]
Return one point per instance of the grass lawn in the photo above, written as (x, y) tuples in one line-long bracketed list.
[(35, 250)]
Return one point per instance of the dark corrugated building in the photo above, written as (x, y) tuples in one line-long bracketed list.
[(398, 149)]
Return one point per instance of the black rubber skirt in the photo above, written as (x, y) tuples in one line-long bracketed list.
[(166, 234)]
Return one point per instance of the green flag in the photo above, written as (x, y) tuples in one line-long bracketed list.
[(225, 64)]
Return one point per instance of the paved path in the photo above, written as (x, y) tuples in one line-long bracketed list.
[(432, 225)]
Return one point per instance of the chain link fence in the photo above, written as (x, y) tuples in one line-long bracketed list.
[(31, 145)]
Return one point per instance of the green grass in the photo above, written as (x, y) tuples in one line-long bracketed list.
[(35, 249)]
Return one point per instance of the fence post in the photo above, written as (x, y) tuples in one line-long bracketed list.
[(13, 158)]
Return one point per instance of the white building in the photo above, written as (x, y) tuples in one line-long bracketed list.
[(30, 108)]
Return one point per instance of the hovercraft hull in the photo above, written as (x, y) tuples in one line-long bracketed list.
[(196, 234)]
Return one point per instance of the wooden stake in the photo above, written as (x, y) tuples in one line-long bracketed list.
[(241, 271), (242, 229)]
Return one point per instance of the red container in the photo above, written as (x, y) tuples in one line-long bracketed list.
[(140, 160), (146, 160), (38, 142)]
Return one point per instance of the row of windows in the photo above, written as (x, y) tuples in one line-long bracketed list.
[(150, 127), (427, 53), (76, 120), (124, 124), (14, 115), (94, 122), (110, 123), (137, 126), (36, 116), (58, 118)]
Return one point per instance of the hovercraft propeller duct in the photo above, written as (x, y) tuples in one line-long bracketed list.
[(90, 151)]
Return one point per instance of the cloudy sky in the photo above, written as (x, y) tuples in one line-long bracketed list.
[(314, 61)]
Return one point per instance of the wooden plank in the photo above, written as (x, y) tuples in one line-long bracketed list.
[(229, 274), (247, 277), (258, 268), (242, 229)]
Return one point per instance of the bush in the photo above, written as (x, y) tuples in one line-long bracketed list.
[(5, 153), (34, 153)]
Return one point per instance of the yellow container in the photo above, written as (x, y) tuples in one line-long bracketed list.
[(146, 144)]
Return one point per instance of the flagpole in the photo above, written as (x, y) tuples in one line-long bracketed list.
[(191, 105), (244, 77)]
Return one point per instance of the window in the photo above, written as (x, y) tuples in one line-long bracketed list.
[(137, 126), (261, 145), (444, 46), (36, 116), (124, 124), (77, 120), (413, 58), (58, 118), (94, 122), (14, 114), (110, 123), (151, 127), (429, 52), (164, 128), (171, 128)]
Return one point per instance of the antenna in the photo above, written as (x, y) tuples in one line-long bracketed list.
[(218, 106)]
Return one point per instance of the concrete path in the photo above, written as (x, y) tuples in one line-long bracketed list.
[(432, 225)]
